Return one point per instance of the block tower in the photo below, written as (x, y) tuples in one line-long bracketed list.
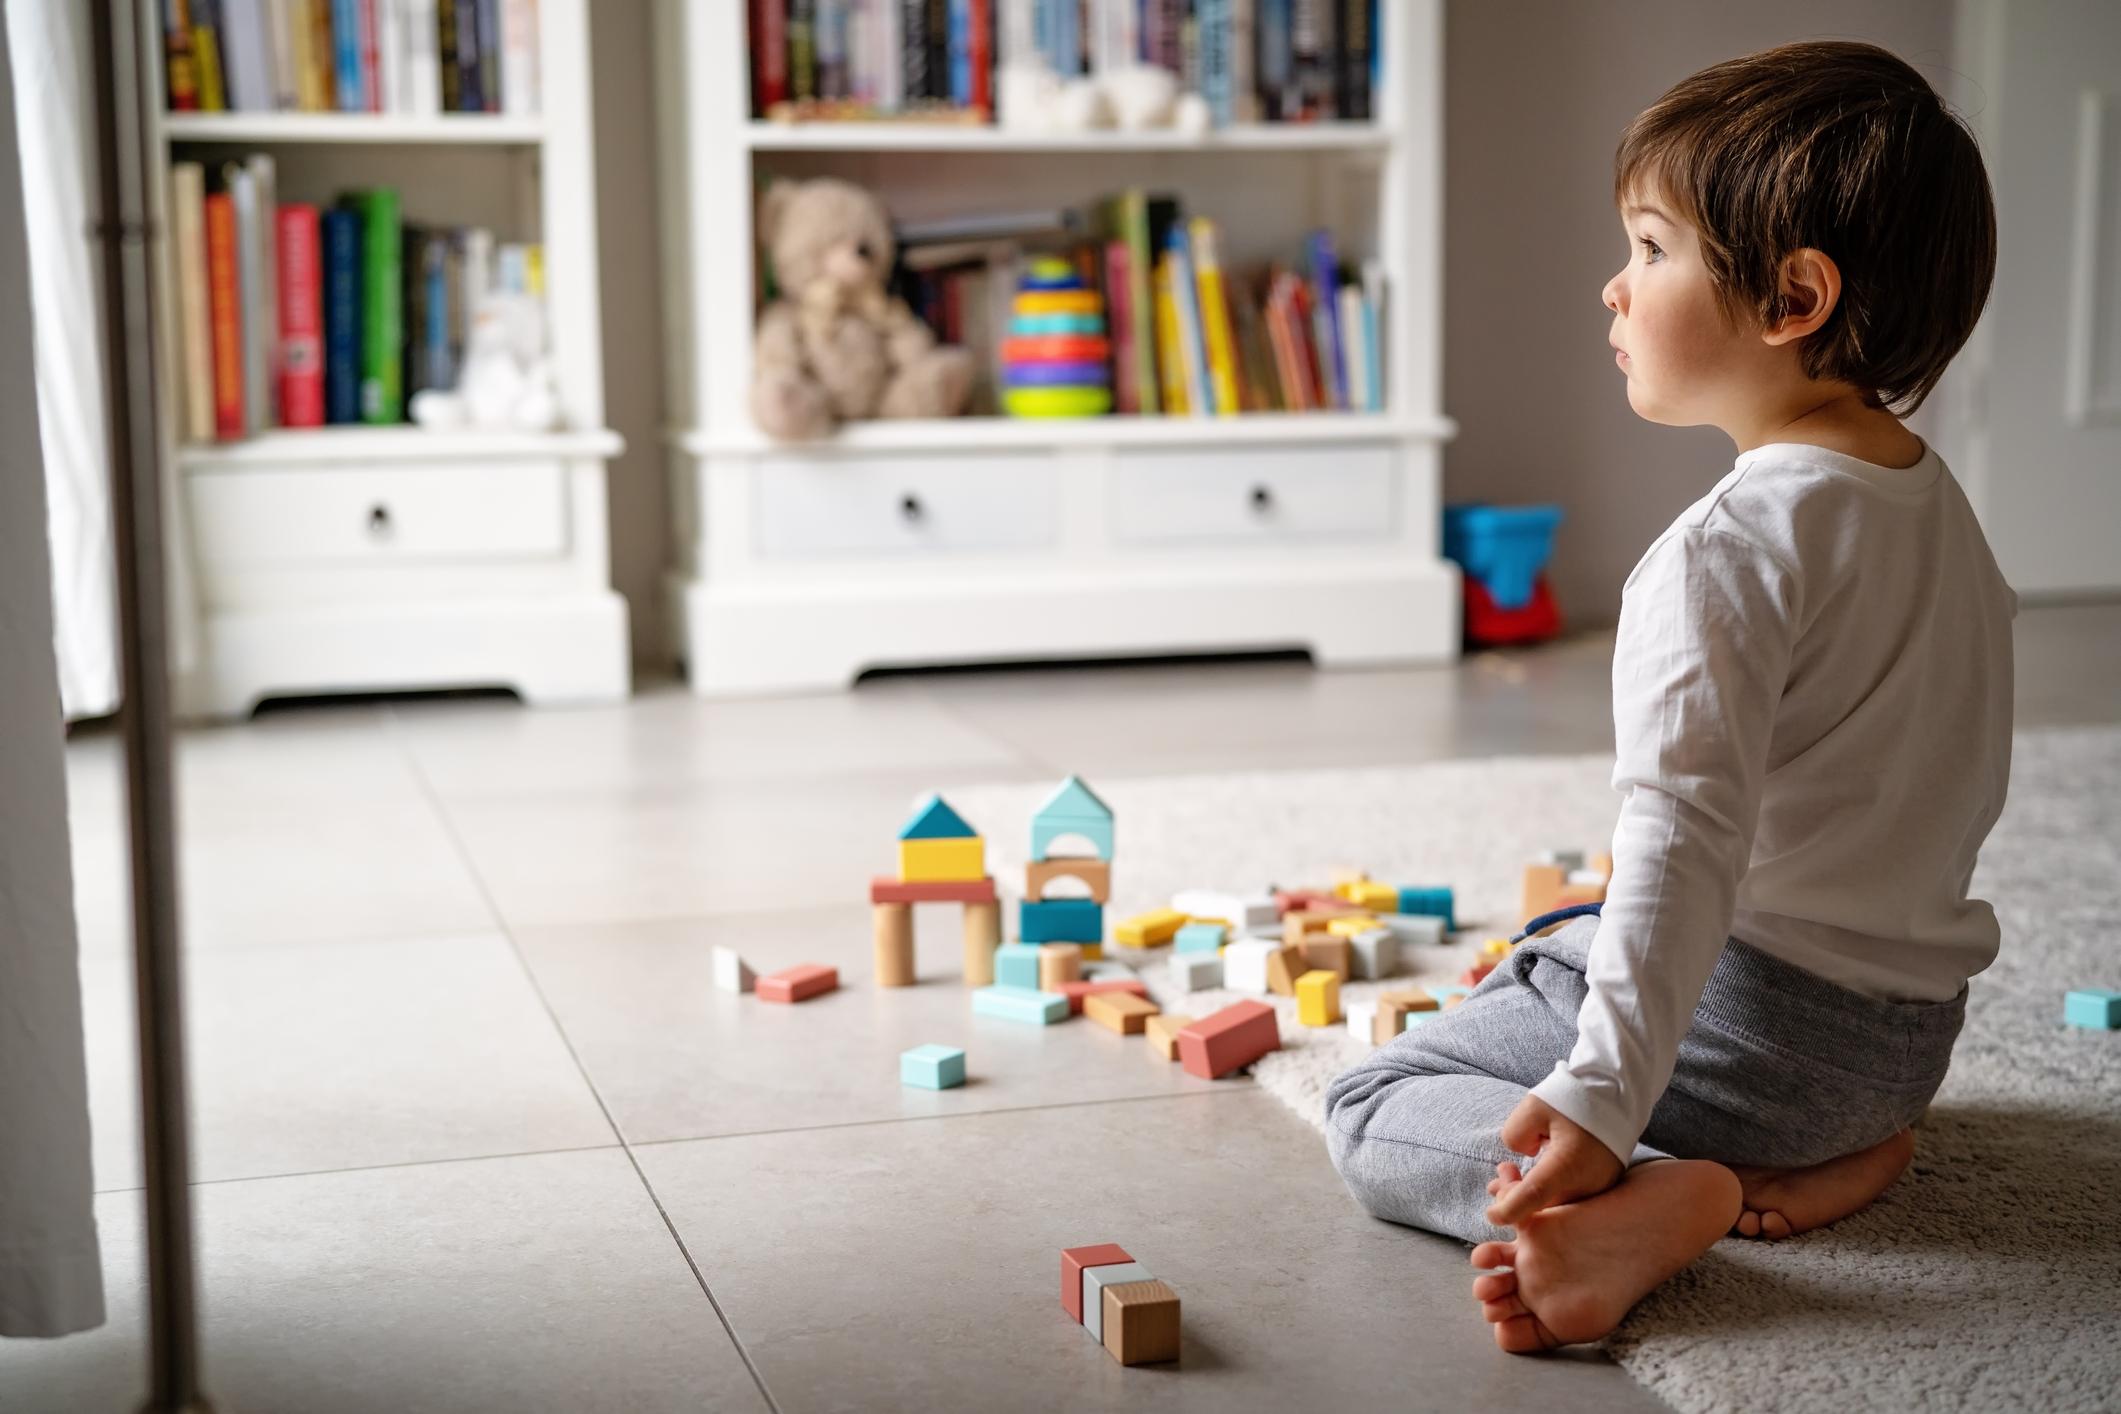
[(941, 860), (1073, 810)]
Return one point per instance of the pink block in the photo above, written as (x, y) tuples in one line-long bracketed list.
[(799, 983)]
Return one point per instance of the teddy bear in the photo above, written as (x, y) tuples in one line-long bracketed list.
[(835, 345)]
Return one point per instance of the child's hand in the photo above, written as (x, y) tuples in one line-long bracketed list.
[(1571, 1164)]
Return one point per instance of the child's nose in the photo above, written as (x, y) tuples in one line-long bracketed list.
[(1611, 295)]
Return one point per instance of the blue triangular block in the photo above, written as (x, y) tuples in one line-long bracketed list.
[(933, 819)]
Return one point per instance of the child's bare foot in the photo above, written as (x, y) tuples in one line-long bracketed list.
[(1784, 1202), (1576, 1269)]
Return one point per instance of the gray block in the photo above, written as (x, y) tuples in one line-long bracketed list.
[(1374, 954), (1095, 1280)]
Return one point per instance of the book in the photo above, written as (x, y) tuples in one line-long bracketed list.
[(206, 54), (341, 231), (302, 51), (489, 56), (1357, 354), (1373, 315), (521, 82), (936, 31), (439, 361), (1170, 360), (225, 304), (371, 56), (301, 293), (959, 45), (323, 55), (250, 371), (246, 55), (1134, 229), (1244, 69), (390, 54), (1218, 339), (452, 81), (1332, 352), (1355, 41), (1119, 319), (382, 307), (180, 68), (187, 203), (982, 49), (1215, 39), (423, 58), (476, 277), (470, 96), (802, 49), (769, 54), (346, 56), (830, 39), (280, 27), (890, 70), (261, 294), (1192, 340)]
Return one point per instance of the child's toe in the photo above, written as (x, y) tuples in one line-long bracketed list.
[(1774, 1225), (1507, 1309), (1494, 1286), (1494, 1254), (1749, 1223)]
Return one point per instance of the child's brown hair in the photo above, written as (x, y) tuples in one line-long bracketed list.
[(1844, 148)]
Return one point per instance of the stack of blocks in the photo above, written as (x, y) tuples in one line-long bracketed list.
[(941, 860), (1057, 361), (1060, 936), (1125, 1309)]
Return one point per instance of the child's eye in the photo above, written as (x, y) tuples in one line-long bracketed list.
[(1649, 247)]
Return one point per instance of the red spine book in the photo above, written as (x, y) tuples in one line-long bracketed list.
[(226, 307), (981, 44), (769, 54), (1119, 318), (371, 61), (301, 318)]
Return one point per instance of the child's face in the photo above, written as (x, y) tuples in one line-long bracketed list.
[(1685, 366)]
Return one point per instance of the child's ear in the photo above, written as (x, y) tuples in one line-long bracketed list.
[(1808, 286)]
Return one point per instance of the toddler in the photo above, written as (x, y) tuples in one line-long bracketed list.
[(1812, 720)]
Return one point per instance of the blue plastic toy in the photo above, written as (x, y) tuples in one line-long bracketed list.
[(1504, 547)]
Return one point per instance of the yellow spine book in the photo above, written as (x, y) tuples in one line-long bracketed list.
[(1170, 359), (212, 97), (1215, 317)]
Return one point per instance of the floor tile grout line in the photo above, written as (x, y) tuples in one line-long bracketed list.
[(382, 1168), (463, 851)]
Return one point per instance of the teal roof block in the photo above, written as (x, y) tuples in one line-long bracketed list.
[(1072, 809), (933, 819)]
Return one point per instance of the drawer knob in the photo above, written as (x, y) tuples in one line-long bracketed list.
[(379, 521), (910, 507), (1262, 499)]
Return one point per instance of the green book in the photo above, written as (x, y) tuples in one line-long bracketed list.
[(383, 307), (1141, 310)]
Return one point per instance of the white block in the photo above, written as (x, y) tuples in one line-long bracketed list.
[(1245, 913), (1563, 858), (1586, 876), (1412, 928), (1108, 970), (1245, 964), (1373, 955), (1095, 1280), (1362, 1020), (1196, 971), (730, 972)]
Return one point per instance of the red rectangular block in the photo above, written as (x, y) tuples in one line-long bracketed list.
[(886, 889), (1476, 974), (797, 984), (1289, 901), (1076, 991), (1236, 1036), (1073, 1260)]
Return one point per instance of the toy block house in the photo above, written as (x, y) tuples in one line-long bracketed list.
[(936, 846), (941, 860), (1072, 813)]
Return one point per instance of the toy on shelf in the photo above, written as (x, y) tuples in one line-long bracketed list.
[(1503, 551), (932, 1067), (1124, 1308), (2094, 1008), (941, 860), (1056, 373), (798, 984), (1560, 879)]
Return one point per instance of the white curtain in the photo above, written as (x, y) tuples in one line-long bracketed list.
[(51, 1276)]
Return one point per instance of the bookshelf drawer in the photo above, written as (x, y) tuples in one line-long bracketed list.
[(1287, 492), (492, 511), (894, 504)]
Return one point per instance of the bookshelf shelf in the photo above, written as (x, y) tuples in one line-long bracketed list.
[(956, 137), (798, 566), (364, 558), (371, 128)]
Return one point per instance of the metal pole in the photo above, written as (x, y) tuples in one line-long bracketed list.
[(126, 238)]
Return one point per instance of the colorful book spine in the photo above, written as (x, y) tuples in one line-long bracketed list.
[(301, 318), (451, 75), (769, 54), (1119, 318), (1192, 341), (960, 50), (938, 36), (802, 49), (1141, 271), (489, 56), (225, 299), (346, 56), (382, 309), (324, 55), (387, 22), (1217, 336), (187, 201), (181, 69), (1215, 39), (982, 45), (342, 314), (1170, 359), (440, 358), (281, 21), (302, 53), (206, 50), (913, 50), (1244, 56), (1325, 295), (830, 38), (1288, 374)]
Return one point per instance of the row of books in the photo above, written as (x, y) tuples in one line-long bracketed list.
[(1252, 60), (1188, 335), (411, 57), (295, 315)]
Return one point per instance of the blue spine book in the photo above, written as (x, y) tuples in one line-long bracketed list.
[(1213, 28), (1067, 52), (342, 315), (961, 53), (434, 274), (346, 56), (1373, 348), (1192, 334), (1325, 282), (1275, 63)]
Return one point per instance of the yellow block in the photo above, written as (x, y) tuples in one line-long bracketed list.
[(1318, 998), (1093, 952), (1059, 302), (1150, 930), (1352, 925), (1367, 893), (942, 861), (1497, 948)]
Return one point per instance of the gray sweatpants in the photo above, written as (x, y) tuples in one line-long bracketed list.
[(1780, 1067)]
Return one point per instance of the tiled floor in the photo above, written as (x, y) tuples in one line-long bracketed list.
[(473, 1132)]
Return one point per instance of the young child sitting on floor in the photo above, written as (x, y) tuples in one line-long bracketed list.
[(1812, 716)]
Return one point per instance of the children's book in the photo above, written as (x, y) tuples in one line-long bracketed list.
[(301, 293), (224, 292), (341, 229), (382, 313), (187, 201)]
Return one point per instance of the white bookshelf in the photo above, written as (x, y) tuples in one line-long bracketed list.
[(379, 558), (797, 567)]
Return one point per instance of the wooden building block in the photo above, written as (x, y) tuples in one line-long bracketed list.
[(1245, 913), (942, 861), (799, 983), (1374, 955), (1543, 884), (1349, 925), (1431, 900), (1096, 875), (1476, 974), (885, 889), (1496, 949), (1362, 1021), (1123, 1012), (1076, 993), (1162, 1031), (1196, 971), (1095, 1280), (1369, 894), (1228, 1040), (2093, 1008), (1197, 936), (1141, 1322), (1413, 929), (1245, 964), (1058, 963), (1412, 998), (1016, 965), (1024, 1004), (893, 924), (1334, 955), (731, 972), (1318, 998), (1073, 810), (983, 934), (1295, 924), (932, 1067), (1149, 930), (1291, 900), (1073, 1261), (1283, 969), (1060, 920)]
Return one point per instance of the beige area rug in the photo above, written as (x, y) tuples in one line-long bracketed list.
[(1987, 1278)]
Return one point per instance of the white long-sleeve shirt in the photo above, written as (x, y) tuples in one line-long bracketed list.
[(1812, 719)]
